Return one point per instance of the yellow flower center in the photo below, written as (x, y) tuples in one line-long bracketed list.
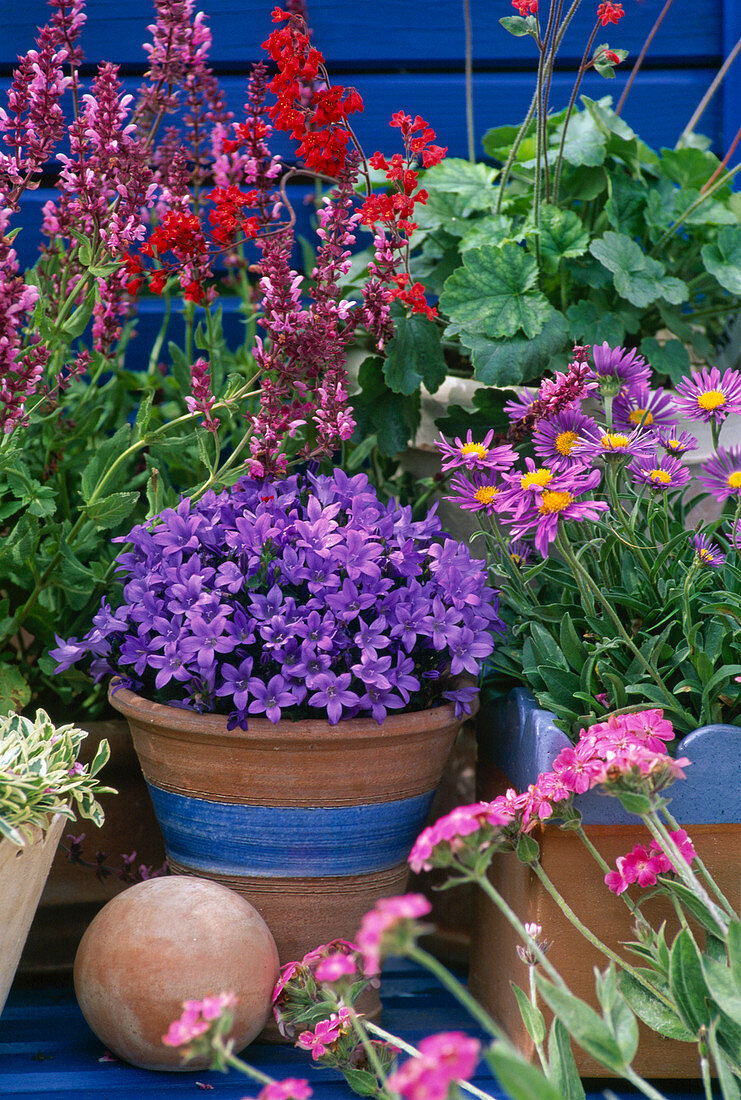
[(704, 554), (612, 440), (516, 559), (554, 502), (565, 442), (641, 416), (473, 449), (539, 477), (711, 399), (672, 444), (734, 480), (485, 494), (661, 477)]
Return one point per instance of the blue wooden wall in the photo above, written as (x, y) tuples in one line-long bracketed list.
[(410, 56)]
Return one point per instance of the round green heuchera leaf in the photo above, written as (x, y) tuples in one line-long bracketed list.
[(637, 277), (723, 258), (494, 294)]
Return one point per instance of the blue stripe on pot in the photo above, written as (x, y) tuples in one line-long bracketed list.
[(288, 841), (522, 739)]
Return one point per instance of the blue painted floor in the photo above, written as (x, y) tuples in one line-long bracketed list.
[(47, 1050)]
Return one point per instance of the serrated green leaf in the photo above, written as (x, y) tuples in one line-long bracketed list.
[(588, 1029), (588, 324), (652, 1010), (585, 142), (518, 26), (638, 278), (689, 168), (670, 357), (722, 258), (472, 183), (495, 293), (414, 355), (144, 414), (111, 510), (511, 362), (562, 236), (532, 1017)]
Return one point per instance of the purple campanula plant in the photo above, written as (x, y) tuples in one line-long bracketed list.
[(303, 597)]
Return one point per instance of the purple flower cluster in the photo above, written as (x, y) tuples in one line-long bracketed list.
[(602, 417), (307, 596)]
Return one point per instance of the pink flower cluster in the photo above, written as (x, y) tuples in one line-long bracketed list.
[(643, 865), (19, 374), (628, 751), (443, 1059), (325, 1033), (197, 1018), (290, 1088), (386, 924), (201, 398)]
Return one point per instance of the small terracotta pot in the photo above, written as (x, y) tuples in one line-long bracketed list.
[(517, 741), (311, 823)]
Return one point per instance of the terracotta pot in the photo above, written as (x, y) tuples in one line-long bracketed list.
[(23, 871), (518, 740), (311, 823), (73, 895)]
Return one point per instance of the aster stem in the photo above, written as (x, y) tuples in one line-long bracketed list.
[(387, 1037), (662, 836), (579, 570), (478, 1013)]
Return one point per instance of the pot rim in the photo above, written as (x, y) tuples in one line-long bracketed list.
[(179, 720)]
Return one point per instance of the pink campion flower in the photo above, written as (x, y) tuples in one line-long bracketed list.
[(576, 772), (443, 1059), (643, 866), (448, 835), (321, 1038), (291, 1088), (386, 924), (334, 967), (196, 1019)]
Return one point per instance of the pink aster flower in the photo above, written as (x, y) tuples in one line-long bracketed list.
[(601, 443), (676, 444), (708, 396), (443, 1059), (475, 494), (641, 407), (555, 438), (735, 535), (386, 925), (721, 476), (707, 553), (521, 489), (473, 455), (619, 370), (661, 474), (560, 502), (521, 406)]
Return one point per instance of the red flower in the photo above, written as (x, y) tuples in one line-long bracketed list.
[(525, 7), (612, 57), (609, 13)]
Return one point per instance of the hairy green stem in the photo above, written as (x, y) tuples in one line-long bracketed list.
[(661, 834)]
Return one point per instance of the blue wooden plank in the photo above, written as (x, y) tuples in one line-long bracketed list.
[(385, 33), (731, 90), (658, 106)]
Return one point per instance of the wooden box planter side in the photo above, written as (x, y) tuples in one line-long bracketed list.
[(517, 741)]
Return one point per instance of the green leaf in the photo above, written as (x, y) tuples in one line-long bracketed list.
[(414, 355), (562, 236), (472, 183), (722, 258), (15, 694), (652, 1010), (689, 168), (393, 418), (722, 988), (639, 278), (562, 1071), (498, 141), (670, 357), (111, 510), (528, 849), (532, 1017), (694, 905), (585, 141), (588, 1029), (495, 293), (104, 455), (733, 942), (604, 66), (519, 1079), (687, 984), (511, 362), (75, 325), (572, 646), (518, 26), (144, 414), (726, 1079), (588, 324)]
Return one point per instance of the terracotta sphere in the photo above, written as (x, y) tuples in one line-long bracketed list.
[(166, 941)]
